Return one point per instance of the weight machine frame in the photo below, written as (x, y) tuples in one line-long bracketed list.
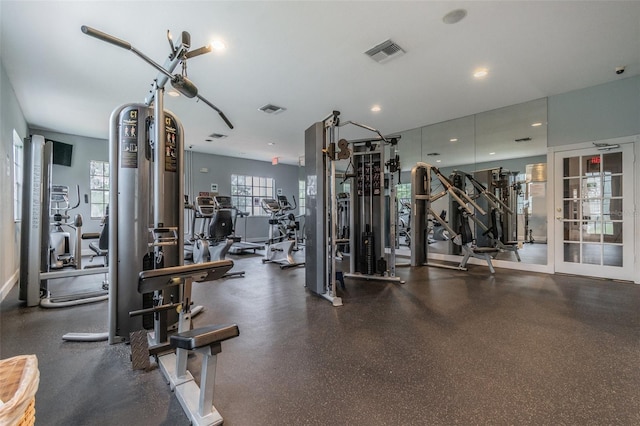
[(322, 151)]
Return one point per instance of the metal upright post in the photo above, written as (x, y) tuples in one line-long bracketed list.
[(393, 210)]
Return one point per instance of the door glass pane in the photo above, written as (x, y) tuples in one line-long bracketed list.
[(591, 187), (571, 167), (591, 165), (571, 209), (571, 188), (612, 186), (592, 254), (572, 252), (612, 255), (612, 208), (572, 231), (591, 209), (591, 232), (612, 162), (612, 232)]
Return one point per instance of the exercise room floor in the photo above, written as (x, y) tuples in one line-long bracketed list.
[(448, 347)]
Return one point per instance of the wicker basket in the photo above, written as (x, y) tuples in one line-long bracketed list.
[(19, 379)]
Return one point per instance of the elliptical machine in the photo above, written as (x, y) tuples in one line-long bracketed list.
[(283, 232), (216, 236)]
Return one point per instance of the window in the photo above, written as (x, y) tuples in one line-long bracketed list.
[(18, 161), (403, 192), (247, 191), (99, 186), (301, 195)]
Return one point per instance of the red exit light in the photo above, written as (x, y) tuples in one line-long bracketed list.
[(595, 160)]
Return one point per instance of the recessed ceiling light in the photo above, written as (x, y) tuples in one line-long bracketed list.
[(438, 161), (536, 124), (481, 73), (453, 140), (271, 143), (454, 16), (218, 45), (375, 108), (173, 93), (492, 153)]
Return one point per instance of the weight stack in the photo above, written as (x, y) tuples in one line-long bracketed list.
[(368, 250)]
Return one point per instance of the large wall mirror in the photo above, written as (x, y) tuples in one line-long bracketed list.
[(504, 150)]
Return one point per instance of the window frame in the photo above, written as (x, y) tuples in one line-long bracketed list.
[(248, 191), (102, 187), (18, 176)]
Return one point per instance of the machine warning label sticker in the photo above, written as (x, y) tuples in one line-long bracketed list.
[(170, 155), (129, 139)]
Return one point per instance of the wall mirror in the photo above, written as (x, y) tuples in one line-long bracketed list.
[(507, 145)]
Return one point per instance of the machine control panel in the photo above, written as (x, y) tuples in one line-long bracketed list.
[(205, 206)]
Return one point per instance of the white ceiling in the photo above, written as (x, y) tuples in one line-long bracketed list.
[(308, 57)]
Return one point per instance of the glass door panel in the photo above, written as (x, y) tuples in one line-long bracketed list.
[(590, 224)]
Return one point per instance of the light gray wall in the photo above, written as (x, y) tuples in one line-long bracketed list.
[(11, 118), (221, 168), (84, 150), (600, 112), (219, 171)]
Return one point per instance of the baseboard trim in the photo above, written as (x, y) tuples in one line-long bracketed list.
[(8, 285)]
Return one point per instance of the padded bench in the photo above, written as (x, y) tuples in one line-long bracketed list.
[(207, 341)]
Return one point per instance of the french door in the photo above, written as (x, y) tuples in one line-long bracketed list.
[(594, 212)]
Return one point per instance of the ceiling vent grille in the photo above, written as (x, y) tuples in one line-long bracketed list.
[(213, 136), (527, 139), (385, 51), (272, 109)]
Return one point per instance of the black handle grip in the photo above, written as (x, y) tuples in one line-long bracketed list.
[(105, 37), (226, 120)]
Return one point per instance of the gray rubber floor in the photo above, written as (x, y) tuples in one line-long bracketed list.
[(448, 347)]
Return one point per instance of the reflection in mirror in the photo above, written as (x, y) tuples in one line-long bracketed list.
[(449, 143), (504, 151)]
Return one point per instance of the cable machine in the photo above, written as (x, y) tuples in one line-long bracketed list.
[(324, 205), (47, 251), (149, 282), (146, 153)]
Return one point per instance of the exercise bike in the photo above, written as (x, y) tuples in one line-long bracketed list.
[(283, 232)]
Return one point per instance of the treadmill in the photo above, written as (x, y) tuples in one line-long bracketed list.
[(240, 247)]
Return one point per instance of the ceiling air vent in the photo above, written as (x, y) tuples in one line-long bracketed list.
[(523, 140), (385, 51), (272, 109), (213, 136)]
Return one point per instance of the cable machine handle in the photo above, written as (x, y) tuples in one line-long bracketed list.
[(105, 37)]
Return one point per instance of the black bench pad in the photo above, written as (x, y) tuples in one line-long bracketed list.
[(204, 336), (159, 279), (485, 250)]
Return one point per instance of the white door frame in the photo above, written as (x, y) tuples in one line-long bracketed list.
[(552, 152)]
